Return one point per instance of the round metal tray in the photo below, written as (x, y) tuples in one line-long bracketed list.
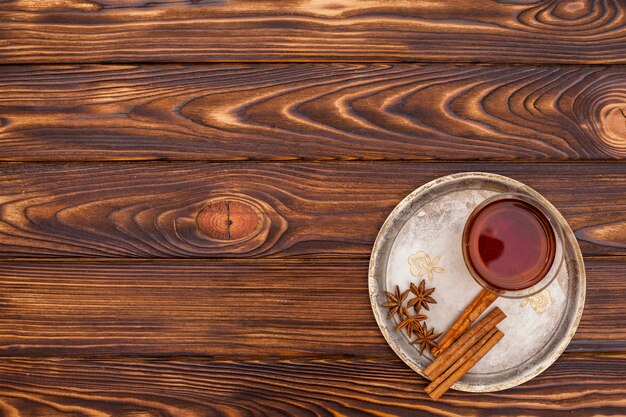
[(421, 239)]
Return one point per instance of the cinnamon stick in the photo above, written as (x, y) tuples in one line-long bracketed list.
[(466, 356), (437, 392), (469, 315), (464, 343)]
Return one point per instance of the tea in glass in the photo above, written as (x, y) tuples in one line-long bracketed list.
[(509, 244)]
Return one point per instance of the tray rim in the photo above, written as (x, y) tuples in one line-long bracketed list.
[(568, 235)]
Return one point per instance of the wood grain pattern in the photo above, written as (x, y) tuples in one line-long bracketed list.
[(229, 310), (306, 210), (284, 328), (574, 385), (306, 111), (570, 31)]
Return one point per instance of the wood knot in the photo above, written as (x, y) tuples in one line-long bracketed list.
[(581, 17), (229, 219), (613, 119), (572, 9), (600, 110)]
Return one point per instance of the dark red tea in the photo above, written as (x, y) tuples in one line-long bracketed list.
[(509, 243)]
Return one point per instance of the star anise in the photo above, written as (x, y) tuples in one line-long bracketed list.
[(395, 302), (426, 338), (422, 297), (412, 323)]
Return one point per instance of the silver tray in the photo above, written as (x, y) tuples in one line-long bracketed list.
[(421, 239)]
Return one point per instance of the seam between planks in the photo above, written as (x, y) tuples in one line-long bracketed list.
[(266, 261), (322, 61), (244, 358), (336, 161)]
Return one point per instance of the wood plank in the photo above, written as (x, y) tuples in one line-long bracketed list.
[(157, 210), (574, 385), (347, 30), (229, 310), (302, 111)]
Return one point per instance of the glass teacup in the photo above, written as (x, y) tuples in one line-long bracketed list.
[(512, 245)]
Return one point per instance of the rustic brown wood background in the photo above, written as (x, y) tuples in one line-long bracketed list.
[(189, 192)]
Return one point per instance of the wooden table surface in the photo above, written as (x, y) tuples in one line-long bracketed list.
[(190, 190)]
